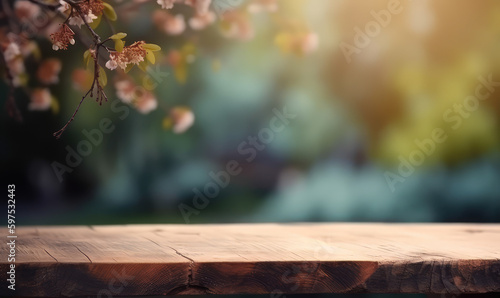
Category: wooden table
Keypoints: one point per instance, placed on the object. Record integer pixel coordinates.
(254, 258)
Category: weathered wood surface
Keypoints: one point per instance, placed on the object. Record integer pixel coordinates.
(258, 258)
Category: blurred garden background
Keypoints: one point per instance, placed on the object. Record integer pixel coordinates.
(362, 104)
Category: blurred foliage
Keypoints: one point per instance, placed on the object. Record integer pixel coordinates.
(353, 122)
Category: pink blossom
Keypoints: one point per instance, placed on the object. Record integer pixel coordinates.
(237, 25)
(111, 64)
(146, 102)
(125, 90)
(26, 10)
(64, 7)
(182, 118)
(41, 99)
(48, 71)
(166, 4)
(309, 43)
(77, 21)
(82, 79)
(199, 22)
(11, 51)
(17, 70)
(15, 62)
(201, 6)
(257, 6)
(170, 24)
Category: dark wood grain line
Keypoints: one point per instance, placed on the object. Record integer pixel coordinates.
(51, 255)
(83, 253)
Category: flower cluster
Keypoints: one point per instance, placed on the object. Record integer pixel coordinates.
(89, 9)
(64, 19)
(234, 24)
(127, 56)
(62, 38)
(95, 7)
(175, 24)
(133, 54)
(16, 50)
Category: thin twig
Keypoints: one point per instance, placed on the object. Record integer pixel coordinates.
(74, 5)
(100, 94)
(58, 133)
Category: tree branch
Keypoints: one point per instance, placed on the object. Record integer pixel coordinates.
(100, 94)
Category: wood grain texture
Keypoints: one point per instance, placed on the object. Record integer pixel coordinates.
(255, 258)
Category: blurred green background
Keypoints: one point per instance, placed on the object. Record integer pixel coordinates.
(353, 122)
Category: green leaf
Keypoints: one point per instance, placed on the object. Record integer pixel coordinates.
(103, 78)
(109, 12)
(86, 58)
(151, 47)
(150, 56)
(119, 44)
(95, 23)
(119, 35)
(54, 105)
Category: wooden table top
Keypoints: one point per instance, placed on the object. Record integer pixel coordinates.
(254, 258)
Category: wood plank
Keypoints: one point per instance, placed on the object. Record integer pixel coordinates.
(133, 260)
